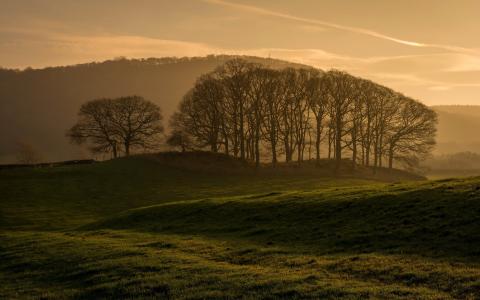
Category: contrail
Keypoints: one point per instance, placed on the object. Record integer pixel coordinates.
(368, 32)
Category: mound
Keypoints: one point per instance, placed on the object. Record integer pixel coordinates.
(204, 162)
(201, 161)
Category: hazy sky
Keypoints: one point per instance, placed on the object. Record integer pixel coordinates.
(429, 50)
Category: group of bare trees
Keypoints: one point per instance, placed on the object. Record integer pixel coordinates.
(254, 112)
(118, 125)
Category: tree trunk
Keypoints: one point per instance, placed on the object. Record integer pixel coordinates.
(213, 147)
(274, 152)
(363, 155)
(375, 155)
(354, 153)
(227, 152)
(257, 154)
(127, 148)
(367, 155)
(338, 145)
(354, 146)
(242, 134)
(257, 141)
(390, 158)
(317, 143)
(299, 154)
(380, 153)
(114, 150)
(288, 154)
(329, 143)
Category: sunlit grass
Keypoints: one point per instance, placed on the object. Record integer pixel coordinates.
(134, 229)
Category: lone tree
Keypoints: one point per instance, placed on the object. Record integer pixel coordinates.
(107, 125)
(27, 154)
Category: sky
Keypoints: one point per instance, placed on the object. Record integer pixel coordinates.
(426, 49)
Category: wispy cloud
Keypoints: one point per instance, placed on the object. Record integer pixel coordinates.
(358, 30)
(407, 73)
(74, 48)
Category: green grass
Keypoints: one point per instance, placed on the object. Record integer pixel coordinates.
(62, 197)
(135, 228)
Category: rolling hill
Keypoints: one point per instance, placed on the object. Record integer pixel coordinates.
(142, 228)
(458, 128)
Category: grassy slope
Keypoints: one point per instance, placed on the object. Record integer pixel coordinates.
(79, 232)
(64, 197)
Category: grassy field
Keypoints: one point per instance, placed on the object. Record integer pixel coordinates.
(142, 228)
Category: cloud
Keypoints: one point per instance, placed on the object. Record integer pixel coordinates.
(134, 46)
(311, 28)
(435, 72)
(358, 30)
(74, 48)
(466, 63)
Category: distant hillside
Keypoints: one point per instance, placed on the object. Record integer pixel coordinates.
(38, 106)
(458, 128)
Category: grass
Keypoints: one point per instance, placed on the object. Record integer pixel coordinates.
(136, 228)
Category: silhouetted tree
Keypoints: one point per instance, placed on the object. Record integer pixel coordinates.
(27, 154)
(201, 112)
(178, 136)
(412, 133)
(318, 97)
(341, 88)
(234, 76)
(108, 124)
(137, 122)
(95, 126)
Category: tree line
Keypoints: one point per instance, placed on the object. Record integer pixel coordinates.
(253, 112)
(257, 113)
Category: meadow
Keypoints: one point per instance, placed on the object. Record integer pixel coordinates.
(148, 228)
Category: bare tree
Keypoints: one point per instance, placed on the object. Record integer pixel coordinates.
(272, 112)
(201, 111)
(259, 79)
(317, 97)
(27, 154)
(95, 127)
(137, 122)
(340, 85)
(106, 124)
(179, 136)
(385, 107)
(413, 132)
(287, 128)
(234, 77)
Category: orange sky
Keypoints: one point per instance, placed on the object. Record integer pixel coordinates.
(429, 50)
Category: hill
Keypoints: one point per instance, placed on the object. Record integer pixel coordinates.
(458, 129)
(37, 106)
(140, 228)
